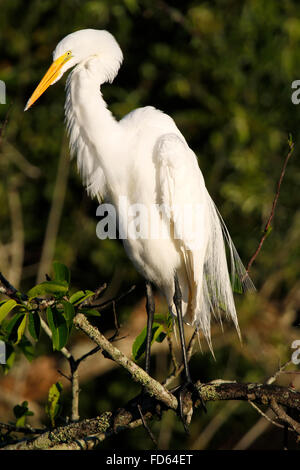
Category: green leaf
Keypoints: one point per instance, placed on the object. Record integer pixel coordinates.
(169, 323)
(160, 337)
(160, 318)
(69, 313)
(53, 406)
(90, 312)
(34, 325)
(61, 272)
(139, 345)
(12, 328)
(59, 328)
(49, 288)
(21, 412)
(21, 328)
(6, 307)
(27, 349)
(80, 296)
(165, 321)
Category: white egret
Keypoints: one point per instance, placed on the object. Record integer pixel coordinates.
(146, 158)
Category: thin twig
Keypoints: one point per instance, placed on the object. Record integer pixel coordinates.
(268, 224)
(109, 302)
(266, 416)
(146, 425)
(281, 369)
(64, 375)
(90, 353)
(22, 429)
(9, 290)
(75, 392)
(279, 411)
(172, 352)
(117, 326)
(89, 302)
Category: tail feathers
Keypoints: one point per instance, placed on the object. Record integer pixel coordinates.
(215, 294)
(240, 279)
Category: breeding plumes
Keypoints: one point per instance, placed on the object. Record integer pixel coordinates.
(145, 158)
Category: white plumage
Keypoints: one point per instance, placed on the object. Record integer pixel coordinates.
(145, 158)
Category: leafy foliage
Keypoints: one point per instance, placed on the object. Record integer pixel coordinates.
(6, 307)
(53, 406)
(162, 326)
(54, 297)
(21, 412)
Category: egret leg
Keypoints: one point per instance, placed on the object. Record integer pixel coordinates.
(178, 305)
(188, 388)
(150, 308)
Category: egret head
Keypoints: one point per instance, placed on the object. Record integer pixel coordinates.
(78, 48)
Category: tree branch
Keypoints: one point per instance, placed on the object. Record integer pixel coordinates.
(88, 433)
(283, 416)
(139, 375)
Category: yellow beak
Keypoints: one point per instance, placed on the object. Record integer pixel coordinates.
(48, 78)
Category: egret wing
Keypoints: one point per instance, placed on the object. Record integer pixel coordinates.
(199, 233)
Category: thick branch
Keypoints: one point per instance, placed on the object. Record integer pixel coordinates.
(139, 375)
(259, 393)
(89, 432)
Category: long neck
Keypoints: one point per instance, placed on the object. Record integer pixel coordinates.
(95, 134)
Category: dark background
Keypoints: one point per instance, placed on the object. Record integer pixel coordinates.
(223, 70)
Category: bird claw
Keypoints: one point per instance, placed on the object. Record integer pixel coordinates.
(185, 403)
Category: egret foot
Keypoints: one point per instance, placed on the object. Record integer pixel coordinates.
(185, 391)
(186, 394)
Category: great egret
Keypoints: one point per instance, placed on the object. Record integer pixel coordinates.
(146, 158)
